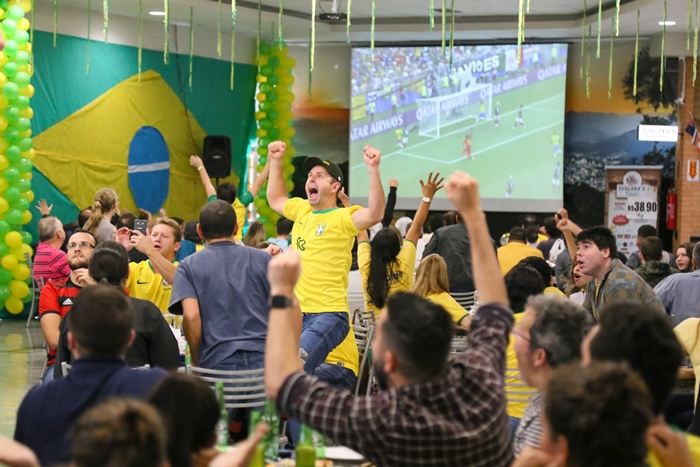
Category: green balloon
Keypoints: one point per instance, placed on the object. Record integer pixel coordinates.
(271, 114)
(272, 133)
(14, 154)
(274, 62)
(13, 216)
(16, 228)
(271, 96)
(22, 185)
(11, 48)
(5, 276)
(4, 230)
(26, 237)
(265, 87)
(11, 174)
(11, 113)
(10, 70)
(9, 26)
(263, 160)
(4, 249)
(28, 298)
(5, 292)
(22, 79)
(22, 204)
(12, 194)
(10, 90)
(262, 142)
(22, 102)
(273, 79)
(265, 107)
(22, 124)
(265, 48)
(24, 166)
(21, 37)
(265, 70)
(11, 135)
(25, 144)
(266, 124)
(22, 57)
(15, 12)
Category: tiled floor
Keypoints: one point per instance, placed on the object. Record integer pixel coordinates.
(21, 360)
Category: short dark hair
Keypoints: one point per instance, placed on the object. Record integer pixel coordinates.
(529, 220)
(652, 249)
(109, 263)
(83, 216)
(217, 219)
(600, 236)
(544, 269)
(646, 231)
(412, 323)
(190, 412)
(284, 226)
(559, 328)
(127, 220)
(449, 218)
(101, 320)
(550, 226)
(227, 192)
(643, 338)
(435, 221)
(179, 221)
(603, 411)
(517, 234)
(522, 282)
(83, 231)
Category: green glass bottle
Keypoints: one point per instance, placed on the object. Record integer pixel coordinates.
(222, 424)
(319, 443)
(258, 459)
(272, 445)
(188, 355)
(305, 452)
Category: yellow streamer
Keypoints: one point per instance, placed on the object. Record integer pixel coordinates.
(233, 40)
(663, 51)
(600, 26)
(105, 18)
(443, 26)
(191, 46)
(140, 51)
(279, 21)
(371, 34)
(521, 15)
(218, 31)
(432, 14)
(583, 37)
(166, 27)
(349, 23)
(690, 24)
(312, 59)
(617, 18)
(452, 31)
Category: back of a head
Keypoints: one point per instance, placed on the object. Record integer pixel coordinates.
(217, 220)
(386, 246)
(190, 411)
(284, 226)
(696, 254)
(532, 233)
(550, 226)
(517, 234)
(83, 216)
(559, 328)
(47, 227)
(643, 338)
(435, 221)
(449, 218)
(411, 323)
(105, 199)
(109, 263)
(601, 237)
(226, 192)
(191, 233)
(431, 276)
(646, 231)
(528, 220)
(522, 282)
(119, 433)
(652, 249)
(101, 320)
(603, 411)
(127, 220)
(255, 234)
(542, 268)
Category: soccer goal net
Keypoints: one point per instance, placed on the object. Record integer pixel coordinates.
(436, 113)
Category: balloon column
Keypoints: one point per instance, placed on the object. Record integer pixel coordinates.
(275, 118)
(16, 155)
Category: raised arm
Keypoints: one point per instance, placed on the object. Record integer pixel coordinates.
(429, 189)
(570, 230)
(463, 191)
(197, 163)
(260, 180)
(367, 217)
(160, 264)
(390, 202)
(276, 189)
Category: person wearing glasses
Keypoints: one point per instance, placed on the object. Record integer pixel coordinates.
(57, 297)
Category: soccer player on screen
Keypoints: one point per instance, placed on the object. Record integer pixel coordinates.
(482, 112)
(399, 137)
(556, 178)
(555, 143)
(511, 187)
(519, 118)
(467, 146)
(497, 113)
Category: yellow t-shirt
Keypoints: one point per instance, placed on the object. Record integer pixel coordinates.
(324, 239)
(346, 354)
(555, 292)
(693, 445)
(401, 276)
(687, 334)
(241, 214)
(511, 254)
(145, 284)
(517, 403)
(450, 305)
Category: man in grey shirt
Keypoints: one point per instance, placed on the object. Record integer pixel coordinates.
(452, 243)
(680, 293)
(646, 231)
(222, 293)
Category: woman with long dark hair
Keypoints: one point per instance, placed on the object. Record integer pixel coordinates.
(387, 263)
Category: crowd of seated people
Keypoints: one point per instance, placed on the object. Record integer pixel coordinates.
(571, 356)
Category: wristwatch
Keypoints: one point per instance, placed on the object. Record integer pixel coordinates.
(279, 301)
(426, 199)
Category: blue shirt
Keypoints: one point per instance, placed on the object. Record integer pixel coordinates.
(48, 411)
(680, 294)
(230, 283)
(187, 248)
(280, 242)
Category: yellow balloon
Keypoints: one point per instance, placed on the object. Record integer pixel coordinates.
(4, 163)
(4, 205)
(31, 154)
(3, 145)
(25, 4)
(26, 134)
(18, 253)
(261, 79)
(14, 305)
(26, 113)
(21, 273)
(9, 262)
(28, 195)
(26, 218)
(27, 176)
(19, 289)
(4, 185)
(28, 91)
(27, 249)
(3, 123)
(23, 24)
(262, 97)
(2, 13)
(26, 47)
(3, 78)
(4, 102)
(13, 239)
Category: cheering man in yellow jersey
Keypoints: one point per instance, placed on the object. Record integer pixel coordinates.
(324, 236)
(152, 279)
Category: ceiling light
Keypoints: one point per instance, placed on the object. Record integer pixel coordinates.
(162, 13)
(667, 23)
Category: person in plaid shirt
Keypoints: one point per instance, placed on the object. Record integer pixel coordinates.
(434, 411)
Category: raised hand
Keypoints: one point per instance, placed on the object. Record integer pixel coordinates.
(393, 183)
(671, 448)
(196, 162)
(463, 192)
(433, 186)
(344, 198)
(372, 156)
(43, 208)
(276, 150)
(143, 211)
(142, 242)
(124, 237)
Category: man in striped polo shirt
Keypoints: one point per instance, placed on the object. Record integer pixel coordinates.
(50, 263)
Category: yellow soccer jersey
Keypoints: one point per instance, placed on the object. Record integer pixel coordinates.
(324, 239)
(450, 305)
(555, 139)
(693, 445)
(401, 275)
(346, 354)
(145, 284)
(517, 403)
(399, 134)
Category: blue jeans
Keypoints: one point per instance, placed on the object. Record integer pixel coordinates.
(514, 422)
(47, 377)
(242, 360)
(320, 334)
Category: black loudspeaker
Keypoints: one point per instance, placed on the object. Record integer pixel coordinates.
(217, 156)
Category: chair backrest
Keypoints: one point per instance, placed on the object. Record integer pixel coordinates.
(65, 367)
(465, 299)
(242, 389)
(356, 300)
(516, 389)
(458, 345)
(362, 337)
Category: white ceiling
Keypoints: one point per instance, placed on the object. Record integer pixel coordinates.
(407, 20)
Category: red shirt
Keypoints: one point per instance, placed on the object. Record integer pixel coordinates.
(50, 263)
(57, 297)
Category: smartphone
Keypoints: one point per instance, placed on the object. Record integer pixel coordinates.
(141, 225)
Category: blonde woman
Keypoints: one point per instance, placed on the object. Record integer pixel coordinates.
(104, 207)
(255, 234)
(433, 285)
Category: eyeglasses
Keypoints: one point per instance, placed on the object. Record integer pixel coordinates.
(82, 245)
(533, 345)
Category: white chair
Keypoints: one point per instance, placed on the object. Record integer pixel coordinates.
(37, 286)
(458, 345)
(466, 299)
(65, 368)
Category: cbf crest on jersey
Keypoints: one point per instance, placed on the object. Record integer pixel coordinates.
(320, 229)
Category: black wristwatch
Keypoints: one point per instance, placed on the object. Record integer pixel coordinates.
(279, 301)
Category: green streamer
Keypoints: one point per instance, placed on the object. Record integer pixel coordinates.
(105, 18)
(432, 14)
(443, 26)
(663, 51)
(695, 44)
(55, 21)
(588, 62)
(583, 38)
(636, 60)
(521, 15)
(259, 32)
(349, 23)
(600, 26)
(166, 24)
(191, 45)
(140, 51)
(617, 18)
(233, 39)
(311, 70)
(87, 57)
(690, 25)
(312, 45)
(279, 21)
(610, 67)
(452, 32)
(218, 31)
(31, 36)
(527, 8)
(371, 33)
